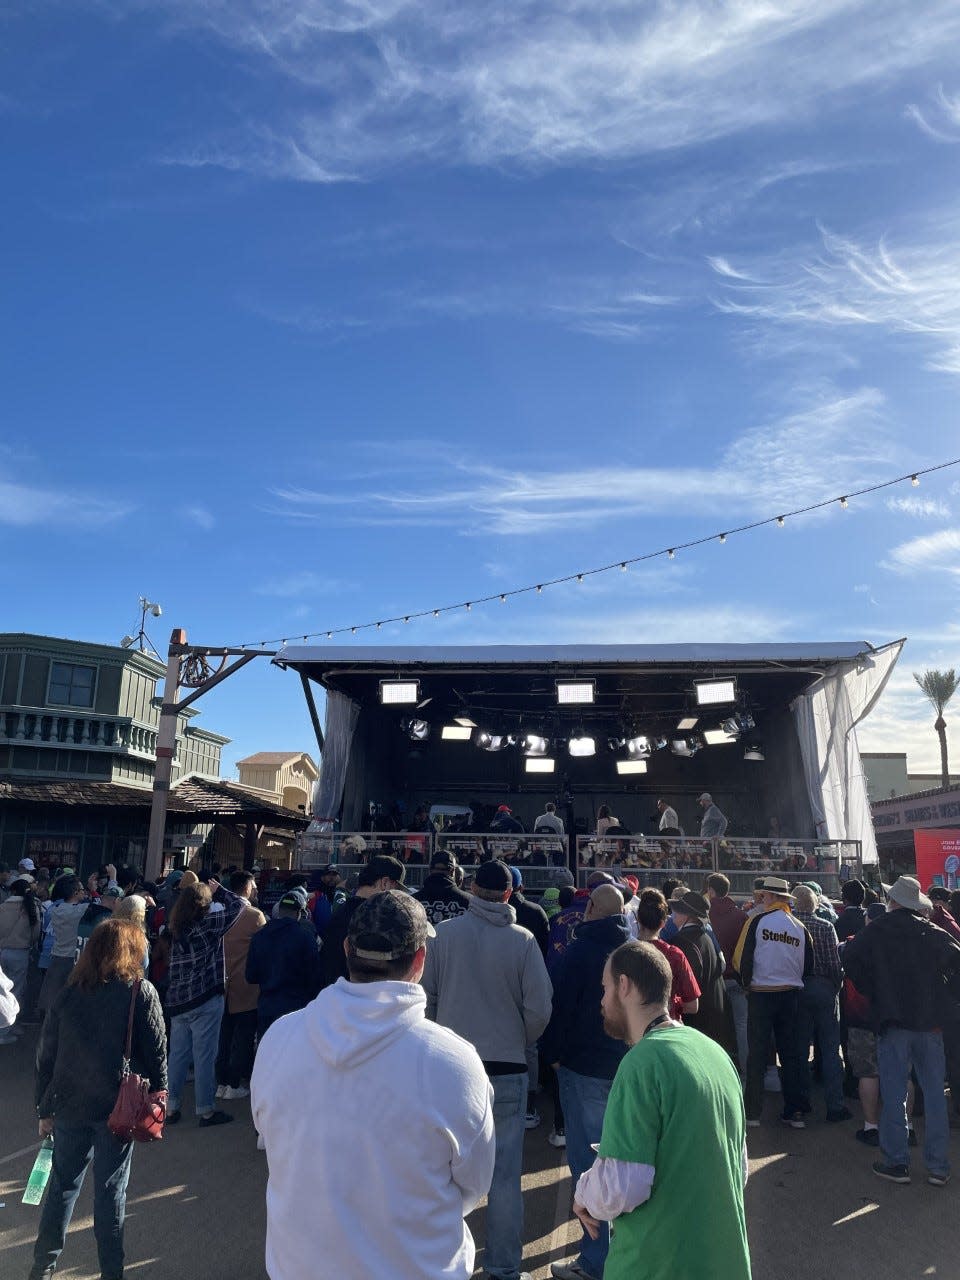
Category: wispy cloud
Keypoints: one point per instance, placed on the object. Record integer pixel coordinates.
(764, 468)
(200, 516)
(24, 505)
(921, 508)
(934, 551)
(913, 289)
(383, 83)
(941, 120)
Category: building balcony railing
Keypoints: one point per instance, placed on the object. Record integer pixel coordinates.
(78, 730)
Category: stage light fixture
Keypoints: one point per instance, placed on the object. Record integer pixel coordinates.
(576, 692)
(638, 748)
(740, 722)
(614, 744)
(659, 743)
(398, 693)
(539, 764)
(687, 722)
(631, 766)
(582, 744)
(685, 746)
(717, 737)
(417, 730)
(465, 721)
(533, 745)
(754, 752)
(711, 693)
(494, 741)
(456, 733)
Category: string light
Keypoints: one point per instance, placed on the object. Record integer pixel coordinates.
(669, 552)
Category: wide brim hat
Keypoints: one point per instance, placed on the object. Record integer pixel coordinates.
(777, 885)
(691, 903)
(906, 893)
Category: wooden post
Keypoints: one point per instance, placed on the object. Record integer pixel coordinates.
(166, 747)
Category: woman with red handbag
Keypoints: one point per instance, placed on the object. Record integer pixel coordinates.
(80, 1067)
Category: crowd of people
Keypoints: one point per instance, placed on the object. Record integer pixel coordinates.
(654, 1022)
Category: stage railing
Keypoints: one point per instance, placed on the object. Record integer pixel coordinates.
(651, 858)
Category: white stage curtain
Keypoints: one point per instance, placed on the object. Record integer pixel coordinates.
(826, 719)
(341, 721)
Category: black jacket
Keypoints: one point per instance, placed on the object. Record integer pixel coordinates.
(333, 961)
(80, 1054)
(284, 962)
(530, 915)
(713, 1017)
(441, 898)
(908, 969)
(575, 1036)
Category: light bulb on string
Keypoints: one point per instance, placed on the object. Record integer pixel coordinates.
(436, 613)
(915, 481)
(540, 589)
(780, 522)
(623, 566)
(671, 554)
(723, 537)
(468, 606)
(579, 577)
(503, 599)
(844, 503)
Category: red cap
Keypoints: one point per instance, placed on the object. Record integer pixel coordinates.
(504, 808)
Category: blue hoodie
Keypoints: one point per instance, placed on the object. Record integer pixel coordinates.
(575, 1036)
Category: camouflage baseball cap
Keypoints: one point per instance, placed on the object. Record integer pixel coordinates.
(388, 926)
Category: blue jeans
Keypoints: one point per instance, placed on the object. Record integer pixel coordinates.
(820, 1013)
(504, 1247)
(737, 999)
(73, 1148)
(584, 1101)
(194, 1036)
(897, 1050)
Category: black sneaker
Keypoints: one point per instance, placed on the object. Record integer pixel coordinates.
(892, 1172)
(215, 1117)
(173, 1117)
(841, 1113)
(869, 1137)
(793, 1120)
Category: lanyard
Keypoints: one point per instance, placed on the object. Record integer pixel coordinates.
(657, 1022)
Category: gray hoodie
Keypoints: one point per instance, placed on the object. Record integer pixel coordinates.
(485, 979)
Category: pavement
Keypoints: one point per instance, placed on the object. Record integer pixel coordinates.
(195, 1205)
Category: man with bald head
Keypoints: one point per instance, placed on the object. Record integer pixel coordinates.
(584, 1056)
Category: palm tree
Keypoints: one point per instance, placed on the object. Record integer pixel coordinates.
(939, 687)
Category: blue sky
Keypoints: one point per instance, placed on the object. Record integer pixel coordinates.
(316, 312)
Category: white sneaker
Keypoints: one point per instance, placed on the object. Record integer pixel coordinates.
(230, 1095)
(531, 1119)
(557, 1139)
(221, 1091)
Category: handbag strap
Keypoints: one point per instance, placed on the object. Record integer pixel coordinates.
(133, 1004)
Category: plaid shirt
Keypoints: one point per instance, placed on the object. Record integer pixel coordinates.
(826, 957)
(196, 959)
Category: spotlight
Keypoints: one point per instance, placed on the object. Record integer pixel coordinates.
(494, 741)
(396, 693)
(539, 764)
(685, 746)
(533, 745)
(416, 730)
(754, 752)
(456, 733)
(571, 692)
(712, 692)
(687, 722)
(659, 743)
(614, 744)
(740, 722)
(582, 745)
(638, 748)
(631, 766)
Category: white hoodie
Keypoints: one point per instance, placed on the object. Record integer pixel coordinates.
(378, 1127)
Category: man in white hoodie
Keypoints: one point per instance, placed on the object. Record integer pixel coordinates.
(394, 1141)
(485, 978)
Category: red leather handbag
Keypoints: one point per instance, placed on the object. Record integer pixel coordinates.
(138, 1114)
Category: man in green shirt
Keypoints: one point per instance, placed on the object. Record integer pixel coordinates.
(673, 1145)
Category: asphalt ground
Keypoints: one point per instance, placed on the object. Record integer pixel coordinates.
(195, 1204)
